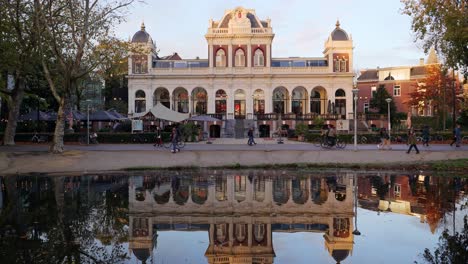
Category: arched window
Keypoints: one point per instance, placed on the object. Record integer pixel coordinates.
(199, 98)
(340, 102)
(259, 59)
(280, 100)
(161, 95)
(220, 58)
(299, 100)
(181, 100)
(240, 58)
(140, 102)
(239, 104)
(220, 102)
(259, 102)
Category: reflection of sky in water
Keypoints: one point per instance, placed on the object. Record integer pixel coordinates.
(385, 238)
(388, 237)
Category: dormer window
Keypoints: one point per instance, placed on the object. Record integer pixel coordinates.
(220, 58)
(239, 58)
(259, 58)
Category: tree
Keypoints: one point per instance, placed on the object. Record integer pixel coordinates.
(74, 39)
(379, 103)
(434, 91)
(443, 25)
(451, 248)
(18, 56)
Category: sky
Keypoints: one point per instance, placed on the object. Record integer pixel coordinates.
(381, 35)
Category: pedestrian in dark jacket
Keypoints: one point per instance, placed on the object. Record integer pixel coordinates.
(456, 136)
(251, 140)
(412, 142)
(425, 136)
(174, 140)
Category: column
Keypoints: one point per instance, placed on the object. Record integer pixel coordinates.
(190, 98)
(131, 99)
(249, 102)
(229, 56)
(210, 55)
(268, 56)
(211, 94)
(268, 99)
(349, 102)
(269, 234)
(231, 232)
(230, 102)
(249, 234)
(230, 189)
(211, 234)
(249, 56)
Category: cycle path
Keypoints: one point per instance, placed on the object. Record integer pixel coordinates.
(34, 158)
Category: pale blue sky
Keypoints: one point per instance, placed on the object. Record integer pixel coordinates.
(382, 35)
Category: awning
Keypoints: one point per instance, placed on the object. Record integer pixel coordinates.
(162, 112)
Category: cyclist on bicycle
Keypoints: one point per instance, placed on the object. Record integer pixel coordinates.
(331, 135)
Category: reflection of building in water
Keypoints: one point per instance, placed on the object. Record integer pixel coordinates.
(241, 211)
(428, 198)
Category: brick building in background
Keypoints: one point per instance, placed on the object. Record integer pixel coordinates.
(399, 81)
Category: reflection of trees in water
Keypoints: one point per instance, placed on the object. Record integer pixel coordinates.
(68, 222)
(451, 248)
(380, 186)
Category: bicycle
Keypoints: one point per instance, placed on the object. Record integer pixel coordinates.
(180, 144)
(39, 139)
(137, 138)
(360, 139)
(92, 140)
(464, 140)
(327, 144)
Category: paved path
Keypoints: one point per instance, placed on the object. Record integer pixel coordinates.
(223, 152)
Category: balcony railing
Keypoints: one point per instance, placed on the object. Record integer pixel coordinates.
(237, 70)
(239, 31)
(299, 117)
(368, 116)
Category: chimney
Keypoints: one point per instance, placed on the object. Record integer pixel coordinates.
(421, 62)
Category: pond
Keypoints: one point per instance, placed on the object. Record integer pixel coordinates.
(219, 216)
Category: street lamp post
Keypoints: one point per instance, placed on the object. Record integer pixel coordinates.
(356, 231)
(388, 100)
(39, 99)
(87, 121)
(355, 97)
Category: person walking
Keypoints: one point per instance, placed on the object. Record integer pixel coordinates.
(174, 139)
(331, 135)
(425, 135)
(384, 140)
(158, 140)
(456, 136)
(251, 140)
(412, 142)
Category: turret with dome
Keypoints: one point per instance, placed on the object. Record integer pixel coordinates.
(141, 36)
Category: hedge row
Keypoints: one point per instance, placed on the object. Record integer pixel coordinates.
(102, 137)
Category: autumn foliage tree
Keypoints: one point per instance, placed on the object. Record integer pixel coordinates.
(435, 91)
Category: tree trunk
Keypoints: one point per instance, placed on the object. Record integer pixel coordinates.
(13, 113)
(57, 142)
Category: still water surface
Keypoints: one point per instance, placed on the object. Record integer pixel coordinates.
(208, 216)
